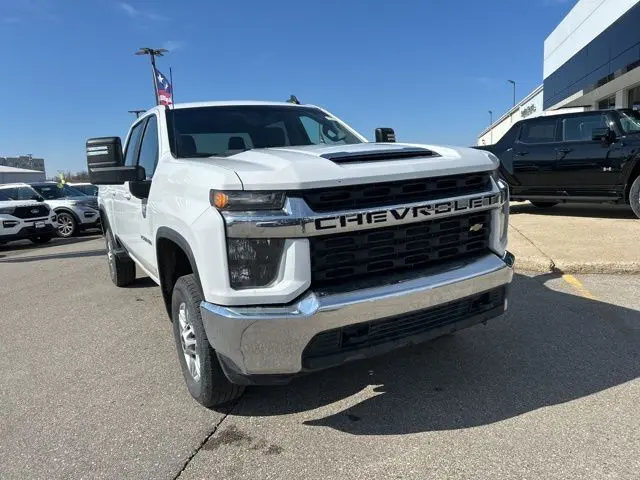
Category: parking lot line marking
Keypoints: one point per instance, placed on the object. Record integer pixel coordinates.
(575, 283)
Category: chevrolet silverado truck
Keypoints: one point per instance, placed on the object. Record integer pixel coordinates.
(589, 156)
(284, 242)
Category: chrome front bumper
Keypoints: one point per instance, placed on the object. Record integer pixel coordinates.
(257, 341)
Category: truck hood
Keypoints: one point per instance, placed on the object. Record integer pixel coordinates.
(317, 166)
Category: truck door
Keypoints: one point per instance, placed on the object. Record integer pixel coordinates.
(120, 193)
(534, 156)
(585, 166)
(138, 234)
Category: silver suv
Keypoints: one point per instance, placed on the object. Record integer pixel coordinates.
(75, 210)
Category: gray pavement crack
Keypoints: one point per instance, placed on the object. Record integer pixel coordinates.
(552, 265)
(206, 439)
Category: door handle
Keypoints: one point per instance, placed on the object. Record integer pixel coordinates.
(127, 196)
(564, 150)
(521, 154)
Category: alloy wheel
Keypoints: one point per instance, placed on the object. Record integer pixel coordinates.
(188, 342)
(66, 224)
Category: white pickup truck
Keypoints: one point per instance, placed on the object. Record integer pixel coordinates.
(284, 242)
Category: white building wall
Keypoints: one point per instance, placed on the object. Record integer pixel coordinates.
(585, 21)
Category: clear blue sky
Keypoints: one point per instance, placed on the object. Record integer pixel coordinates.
(431, 69)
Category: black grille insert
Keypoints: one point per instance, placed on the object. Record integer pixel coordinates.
(31, 211)
(398, 327)
(393, 193)
(341, 258)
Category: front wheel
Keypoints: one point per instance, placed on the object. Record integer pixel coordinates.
(634, 196)
(201, 369)
(67, 225)
(543, 204)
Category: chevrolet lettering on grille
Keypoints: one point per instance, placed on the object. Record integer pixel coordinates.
(401, 215)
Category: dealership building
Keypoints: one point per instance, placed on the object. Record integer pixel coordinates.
(591, 61)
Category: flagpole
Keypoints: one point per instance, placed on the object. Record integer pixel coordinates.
(173, 88)
(155, 80)
(153, 52)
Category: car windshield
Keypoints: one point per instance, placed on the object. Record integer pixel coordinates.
(224, 131)
(54, 191)
(4, 196)
(630, 121)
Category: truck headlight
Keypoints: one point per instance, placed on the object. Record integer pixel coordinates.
(239, 200)
(253, 262)
(7, 210)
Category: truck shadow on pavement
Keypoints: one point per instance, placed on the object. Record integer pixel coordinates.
(550, 348)
(576, 210)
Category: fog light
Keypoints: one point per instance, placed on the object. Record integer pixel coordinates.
(253, 262)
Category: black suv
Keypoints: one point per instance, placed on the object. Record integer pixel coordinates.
(591, 156)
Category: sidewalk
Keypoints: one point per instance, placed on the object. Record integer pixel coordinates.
(575, 238)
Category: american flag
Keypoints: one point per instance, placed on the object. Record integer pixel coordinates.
(165, 90)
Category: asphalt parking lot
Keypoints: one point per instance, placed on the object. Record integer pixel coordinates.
(90, 387)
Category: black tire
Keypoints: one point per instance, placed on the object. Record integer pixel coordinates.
(41, 239)
(121, 269)
(634, 196)
(67, 225)
(543, 204)
(208, 386)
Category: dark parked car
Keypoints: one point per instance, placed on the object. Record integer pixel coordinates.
(589, 156)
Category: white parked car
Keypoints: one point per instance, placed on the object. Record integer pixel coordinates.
(24, 215)
(75, 211)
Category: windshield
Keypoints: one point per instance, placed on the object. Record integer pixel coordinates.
(54, 191)
(630, 121)
(18, 192)
(207, 131)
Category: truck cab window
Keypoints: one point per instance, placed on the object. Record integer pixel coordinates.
(580, 128)
(541, 131)
(149, 148)
(132, 144)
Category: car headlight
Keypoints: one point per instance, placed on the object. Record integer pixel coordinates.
(84, 203)
(7, 210)
(253, 262)
(238, 200)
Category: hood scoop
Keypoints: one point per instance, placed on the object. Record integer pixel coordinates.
(379, 155)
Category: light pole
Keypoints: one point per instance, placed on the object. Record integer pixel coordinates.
(153, 53)
(491, 126)
(514, 91)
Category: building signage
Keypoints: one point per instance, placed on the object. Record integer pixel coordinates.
(525, 112)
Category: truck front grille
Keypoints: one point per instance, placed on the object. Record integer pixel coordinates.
(395, 193)
(419, 324)
(31, 211)
(342, 258)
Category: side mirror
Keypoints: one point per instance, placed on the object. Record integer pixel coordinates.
(38, 198)
(385, 135)
(604, 135)
(105, 163)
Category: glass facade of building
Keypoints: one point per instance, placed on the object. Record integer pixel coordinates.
(614, 52)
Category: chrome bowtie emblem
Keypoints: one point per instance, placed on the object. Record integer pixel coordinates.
(476, 228)
(35, 210)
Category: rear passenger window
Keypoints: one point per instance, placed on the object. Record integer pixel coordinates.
(539, 132)
(581, 127)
